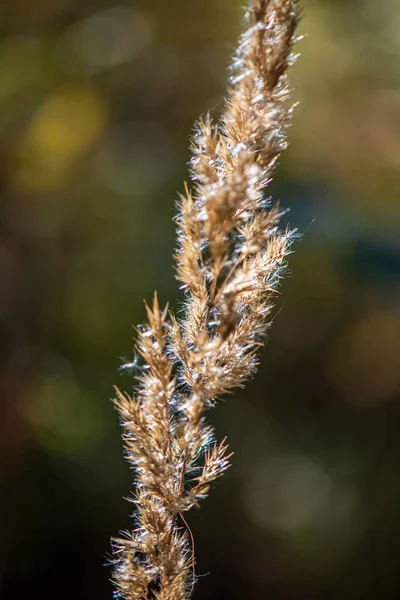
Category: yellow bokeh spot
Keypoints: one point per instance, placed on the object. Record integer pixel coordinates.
(365, 364)
(61, 132)
(64, 418)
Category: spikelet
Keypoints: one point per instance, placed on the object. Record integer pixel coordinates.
(231, 255)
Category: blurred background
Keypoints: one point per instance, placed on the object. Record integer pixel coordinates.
(97, 100)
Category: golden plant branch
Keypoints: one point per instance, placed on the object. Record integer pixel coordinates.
(230, 258)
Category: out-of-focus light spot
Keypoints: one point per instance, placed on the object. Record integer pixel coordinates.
(365, 364)
(286, 493)
(88, 308)
(64, 418)
(63, 129)
(388, 14)
(358, 159)
(111, 37)
(134, 159)
(334, 535)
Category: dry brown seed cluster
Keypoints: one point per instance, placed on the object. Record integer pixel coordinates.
(231, 255)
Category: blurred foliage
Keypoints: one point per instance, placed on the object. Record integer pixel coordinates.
(97, 100)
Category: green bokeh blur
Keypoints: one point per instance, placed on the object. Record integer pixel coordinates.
(97, 100)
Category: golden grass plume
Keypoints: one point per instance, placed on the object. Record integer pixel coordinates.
(231, 255)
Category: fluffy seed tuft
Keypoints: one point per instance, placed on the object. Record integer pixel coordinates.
(231, 256)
